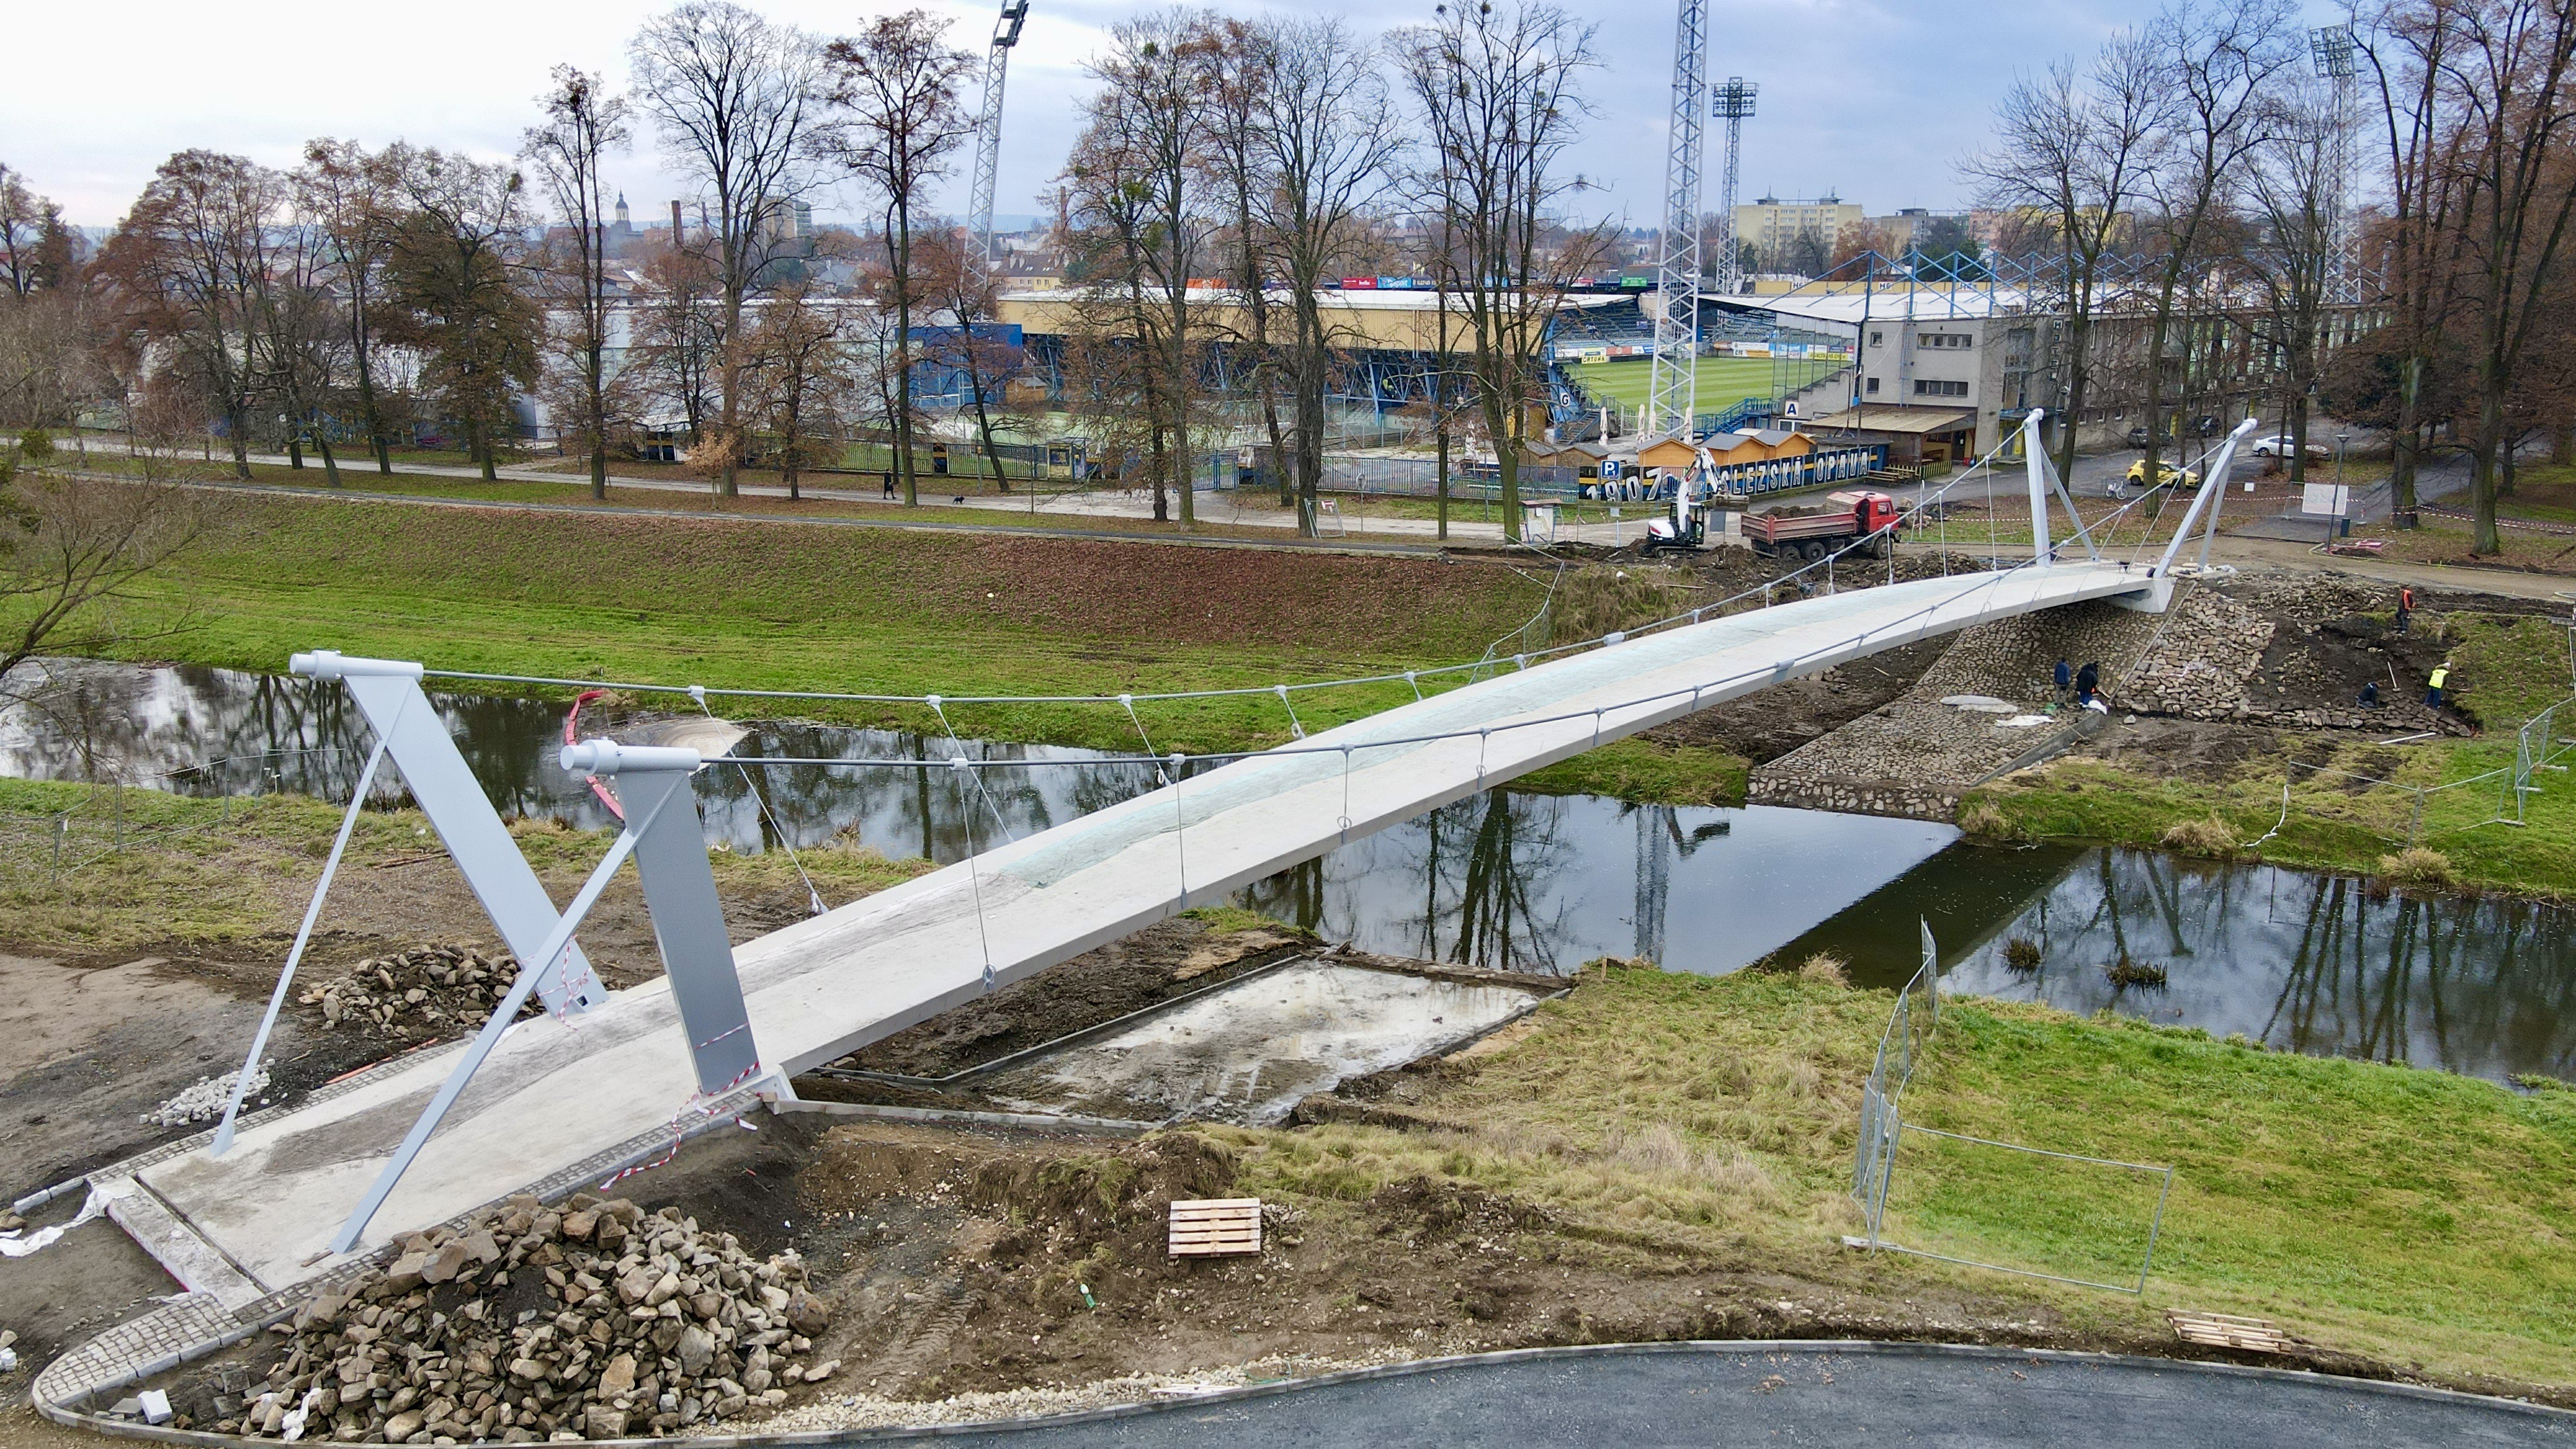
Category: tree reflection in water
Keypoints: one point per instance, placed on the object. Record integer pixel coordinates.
(1486, 869)
(2303, 962)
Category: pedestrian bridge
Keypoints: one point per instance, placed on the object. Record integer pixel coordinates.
(561, 1100)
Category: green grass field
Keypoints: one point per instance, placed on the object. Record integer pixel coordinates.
(2391, 1211)
(860, 610)
(1723, 381)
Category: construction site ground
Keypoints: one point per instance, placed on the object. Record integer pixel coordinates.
(1495, 1199)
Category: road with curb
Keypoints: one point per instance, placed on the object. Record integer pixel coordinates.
(1714, 1396)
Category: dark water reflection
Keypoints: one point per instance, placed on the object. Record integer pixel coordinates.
(1508, 879)
(2298, 960)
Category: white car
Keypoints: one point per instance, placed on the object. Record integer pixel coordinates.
(2278, 445)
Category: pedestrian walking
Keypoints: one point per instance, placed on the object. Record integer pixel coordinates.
(889, 485)
(2433, 686)
(2405, 605)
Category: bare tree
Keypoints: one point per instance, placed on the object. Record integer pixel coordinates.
(2510, 70)
(37, 250)
(2220, 62)
(678, 329)
(584, 122)
(2409, 49)
(303, 338)
(49, 363)
(1237, 161)
(895, 87)
(354, 198)
(735, 100)
(1326, 151)
(951, 281)
(2071, 158)
(2291, 250)
(187, 266)
(800, 379)
(1496, 91)
(70, 553)
(1136, 187)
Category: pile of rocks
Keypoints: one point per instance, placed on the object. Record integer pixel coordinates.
(593, 1321)
(2198, 669)
(418, 995)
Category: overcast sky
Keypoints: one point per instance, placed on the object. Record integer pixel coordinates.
(1872, 99)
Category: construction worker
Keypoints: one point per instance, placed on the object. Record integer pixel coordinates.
(2087, 680)
(2405, 605)
(2370, 694)
(2433, 686)
(2065, 679)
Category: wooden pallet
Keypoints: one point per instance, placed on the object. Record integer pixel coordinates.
(1213, 1227)
(2222, 1330)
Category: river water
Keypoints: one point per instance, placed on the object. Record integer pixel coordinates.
(2299, 960)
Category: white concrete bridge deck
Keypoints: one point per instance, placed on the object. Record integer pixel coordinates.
(554, 1095)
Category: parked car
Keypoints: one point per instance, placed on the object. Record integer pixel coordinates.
(2137, 437)
(2278, 445)
(2167, 475)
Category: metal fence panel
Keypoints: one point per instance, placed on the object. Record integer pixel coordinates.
(1883, 1127)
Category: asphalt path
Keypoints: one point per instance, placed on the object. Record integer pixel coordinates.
(1710, 1396)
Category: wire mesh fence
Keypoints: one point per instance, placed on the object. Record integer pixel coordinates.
(1968, 1172)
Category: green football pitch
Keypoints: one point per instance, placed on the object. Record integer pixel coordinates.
(1723, 381)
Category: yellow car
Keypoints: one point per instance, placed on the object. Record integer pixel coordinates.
(2167, 475)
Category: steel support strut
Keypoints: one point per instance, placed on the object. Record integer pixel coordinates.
(388, 693)
(665, 836)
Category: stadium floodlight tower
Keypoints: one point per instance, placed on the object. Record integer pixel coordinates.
(988, 132)
(2331, 48)
(1734, 103)
(1673, 385)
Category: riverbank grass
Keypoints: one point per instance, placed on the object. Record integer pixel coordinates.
(2398, 1213)
(2410, 1215)
(84, 870)
(2334, 816)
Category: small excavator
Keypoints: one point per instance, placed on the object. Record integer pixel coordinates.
(1684, 525)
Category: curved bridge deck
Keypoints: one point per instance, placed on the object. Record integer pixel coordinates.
(558, 1098)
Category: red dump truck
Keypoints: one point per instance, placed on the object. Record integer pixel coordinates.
(1847, 516)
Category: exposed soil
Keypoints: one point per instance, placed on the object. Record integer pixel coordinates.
(978, 1260)
(2183, 749)
(89, 1046)
(1763, 727)
(1154, 965)
(90, 1043)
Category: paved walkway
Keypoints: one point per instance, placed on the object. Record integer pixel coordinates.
(557, 1099)
(1641, 1398)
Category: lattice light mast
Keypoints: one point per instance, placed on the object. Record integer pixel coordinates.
(2331, 48)
(988, 132)
(1733, 104)
(1674, 383)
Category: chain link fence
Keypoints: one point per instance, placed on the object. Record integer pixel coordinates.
(1883, 1130)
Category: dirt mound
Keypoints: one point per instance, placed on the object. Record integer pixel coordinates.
(417, 995)
(1428, 1211)
(592, 1321)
